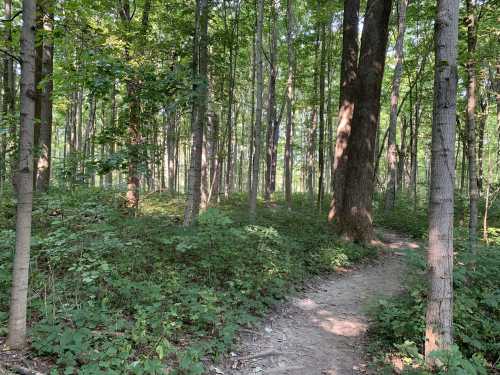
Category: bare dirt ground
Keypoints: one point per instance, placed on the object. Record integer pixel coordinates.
(323, 331)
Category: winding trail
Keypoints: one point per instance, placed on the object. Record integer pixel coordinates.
(323, 331)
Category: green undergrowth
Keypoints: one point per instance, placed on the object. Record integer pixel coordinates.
(399, 323)
(110, 294)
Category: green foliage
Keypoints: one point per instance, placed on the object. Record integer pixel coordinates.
(399, 323)
(113, 294)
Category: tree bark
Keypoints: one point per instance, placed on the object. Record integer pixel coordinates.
(356, 217)
(45, 136)
(258, 108)
(348, 77)
(321, 143)
(438, 334)
(271, 103)
(289, 103)
(390, 196)
(24, 182)
(199, 114)
(471, 122)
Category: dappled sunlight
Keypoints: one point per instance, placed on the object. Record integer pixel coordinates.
(330, 321)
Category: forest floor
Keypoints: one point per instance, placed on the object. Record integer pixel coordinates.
(323, 330)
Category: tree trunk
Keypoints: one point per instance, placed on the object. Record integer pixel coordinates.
(438, 334)
(271, 104)
(390, 196)
(8, 103)
(289, 103)
(24, 182)
(356, 217)
(414, 153)
(321, 143)
(402, 155)
(348, 76)
(483, 116)
(258, 108)
(109, 175)
(471, 122)
(45, 136)
(199, 113)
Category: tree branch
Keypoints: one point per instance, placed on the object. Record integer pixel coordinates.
(17, 58)
(13, 17)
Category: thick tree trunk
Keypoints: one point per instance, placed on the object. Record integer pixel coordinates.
(438, 334)
(199, 115)
(390, 195)
(258, 108)
(24, 182)
(471, 122)
(356, 216)
(289, 103)
(348, 77)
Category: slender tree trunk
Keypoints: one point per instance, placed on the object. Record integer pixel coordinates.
(390, 196)
(200, 110)
(483, 116)
(348, 77)
(252, 123)
(271, 103)
(258, 108)
(289, 103)
(45, 136)
(471, 122)
(356, 217)
(414, 153)
(8, 103)
(438, 334)
(24, 182)
(109, 175)
(313, 127)
(39, 36)
(402, 154)
(321, 143)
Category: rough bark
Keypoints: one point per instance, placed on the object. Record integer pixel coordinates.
(356, 217)
(258, 108)
(471, 122)
(438, 334)
(348, 76)
(390, 196)
(199, 114)
(289, 103)
(24, 182)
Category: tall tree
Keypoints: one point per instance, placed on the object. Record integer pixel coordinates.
(356, 216)
(289, 103)
(471, 120)
(271, 104)
(348, 76)
(258, 108)
(321, 143)
(438, 333)
(45, 135)
(390, 196)
(199, 114)
(24, 182)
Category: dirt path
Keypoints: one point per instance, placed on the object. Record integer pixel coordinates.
(322, 332)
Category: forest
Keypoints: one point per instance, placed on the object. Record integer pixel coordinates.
(237, 187)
